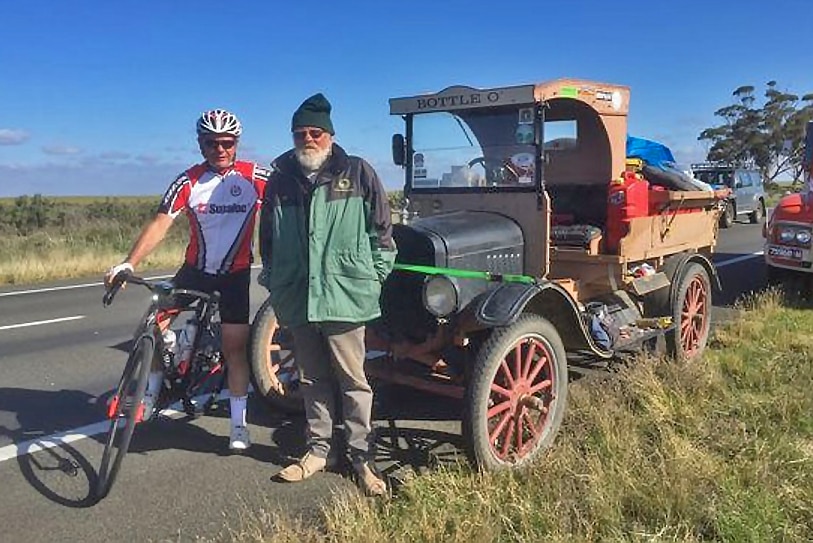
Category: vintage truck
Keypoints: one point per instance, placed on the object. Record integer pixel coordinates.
(788, 231)
(529, 242)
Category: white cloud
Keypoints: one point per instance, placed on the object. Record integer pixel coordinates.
(114, 155)
(87, 178)
(61, 150)
(149, 159)
(10, 136)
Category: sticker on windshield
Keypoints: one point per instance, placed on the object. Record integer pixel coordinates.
(524, 165)
(418, 170)
(524, 134)
(526, 115)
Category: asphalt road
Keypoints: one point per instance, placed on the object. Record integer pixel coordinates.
(61, 352)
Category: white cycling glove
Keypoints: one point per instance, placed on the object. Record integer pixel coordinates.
(117, 269)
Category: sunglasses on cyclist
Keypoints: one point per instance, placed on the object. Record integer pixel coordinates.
(214, 144)
(314, 133)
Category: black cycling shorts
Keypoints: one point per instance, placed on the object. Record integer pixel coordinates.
(233, 289)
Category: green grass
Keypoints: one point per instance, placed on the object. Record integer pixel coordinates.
(717, 450)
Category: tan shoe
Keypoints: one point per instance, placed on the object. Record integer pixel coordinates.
(303, 468)
(370, 483)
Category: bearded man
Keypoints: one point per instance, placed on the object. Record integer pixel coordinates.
(326, 245)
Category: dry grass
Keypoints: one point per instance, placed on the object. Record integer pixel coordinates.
(44, 239)
(41, 257)
(718, 450)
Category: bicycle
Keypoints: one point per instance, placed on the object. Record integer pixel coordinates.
(194, 378)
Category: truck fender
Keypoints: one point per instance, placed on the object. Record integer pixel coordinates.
(503, 305)
(684, 260)
(663, 300)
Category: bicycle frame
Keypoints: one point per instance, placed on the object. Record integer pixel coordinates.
(167, 303)
(126, 408)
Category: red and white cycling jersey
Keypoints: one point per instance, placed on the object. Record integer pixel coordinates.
(221, 211)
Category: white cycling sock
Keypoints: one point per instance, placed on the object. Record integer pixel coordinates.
(237, 406)
(154, 382)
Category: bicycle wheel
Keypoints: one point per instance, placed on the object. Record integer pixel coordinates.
(125, 411)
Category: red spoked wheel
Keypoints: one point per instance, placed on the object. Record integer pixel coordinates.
(515, 400)
(274, 372)
(692, 314)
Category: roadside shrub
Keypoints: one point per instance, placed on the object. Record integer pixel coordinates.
(44, 238)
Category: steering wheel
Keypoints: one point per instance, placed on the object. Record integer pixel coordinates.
(476, 161)
(503, 173)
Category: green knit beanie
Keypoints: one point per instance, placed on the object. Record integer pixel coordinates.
(315, 111)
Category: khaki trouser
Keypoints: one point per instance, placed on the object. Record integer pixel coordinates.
(330, 357)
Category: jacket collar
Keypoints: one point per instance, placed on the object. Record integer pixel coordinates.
(286, 163)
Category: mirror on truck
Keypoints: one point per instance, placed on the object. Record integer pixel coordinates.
(398, 150)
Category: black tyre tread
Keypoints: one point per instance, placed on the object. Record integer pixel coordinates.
(476, 396)
(727, 217)
(758, 213)
(137, 367)
(673, 336)
(264, 320)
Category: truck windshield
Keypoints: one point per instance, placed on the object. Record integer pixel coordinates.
(473, 148)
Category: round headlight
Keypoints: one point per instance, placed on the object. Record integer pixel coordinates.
(439, 295)
(803, 237)
(786, 235)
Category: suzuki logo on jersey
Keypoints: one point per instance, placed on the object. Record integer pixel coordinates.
(217, 209)
(235, 190)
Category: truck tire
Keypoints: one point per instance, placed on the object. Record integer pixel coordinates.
(272, 362)
(758, 213)
(515, 399)
(727, 217)
(691, 314)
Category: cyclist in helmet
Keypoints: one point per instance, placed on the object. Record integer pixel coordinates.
(220, 197)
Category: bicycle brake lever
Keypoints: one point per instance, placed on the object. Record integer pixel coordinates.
(107, 299)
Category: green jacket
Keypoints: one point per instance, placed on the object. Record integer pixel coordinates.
(326, 245)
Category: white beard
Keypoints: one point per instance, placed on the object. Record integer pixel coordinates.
(312, 159)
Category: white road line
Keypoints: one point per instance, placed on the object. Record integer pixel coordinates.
(82, 285)
(42, 443)
(32, 446)
(737, 259)
(67, 287)
(37, 323)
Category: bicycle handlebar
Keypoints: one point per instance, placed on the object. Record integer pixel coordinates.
(126, 276)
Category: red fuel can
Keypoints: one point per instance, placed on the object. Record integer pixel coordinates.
(627, 198)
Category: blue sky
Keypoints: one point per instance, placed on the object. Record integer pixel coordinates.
(100, 97)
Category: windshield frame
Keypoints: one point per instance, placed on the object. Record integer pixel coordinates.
(538, 174)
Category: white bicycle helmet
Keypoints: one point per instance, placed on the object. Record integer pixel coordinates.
(219, 121)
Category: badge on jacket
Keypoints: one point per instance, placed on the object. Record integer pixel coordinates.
(342, 184)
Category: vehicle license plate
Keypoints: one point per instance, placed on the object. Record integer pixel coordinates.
(785, 252)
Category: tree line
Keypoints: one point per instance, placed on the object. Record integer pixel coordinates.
(28, 214)
(25, 215)
(767, 131)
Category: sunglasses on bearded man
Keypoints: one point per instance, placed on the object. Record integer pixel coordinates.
(314, 133)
